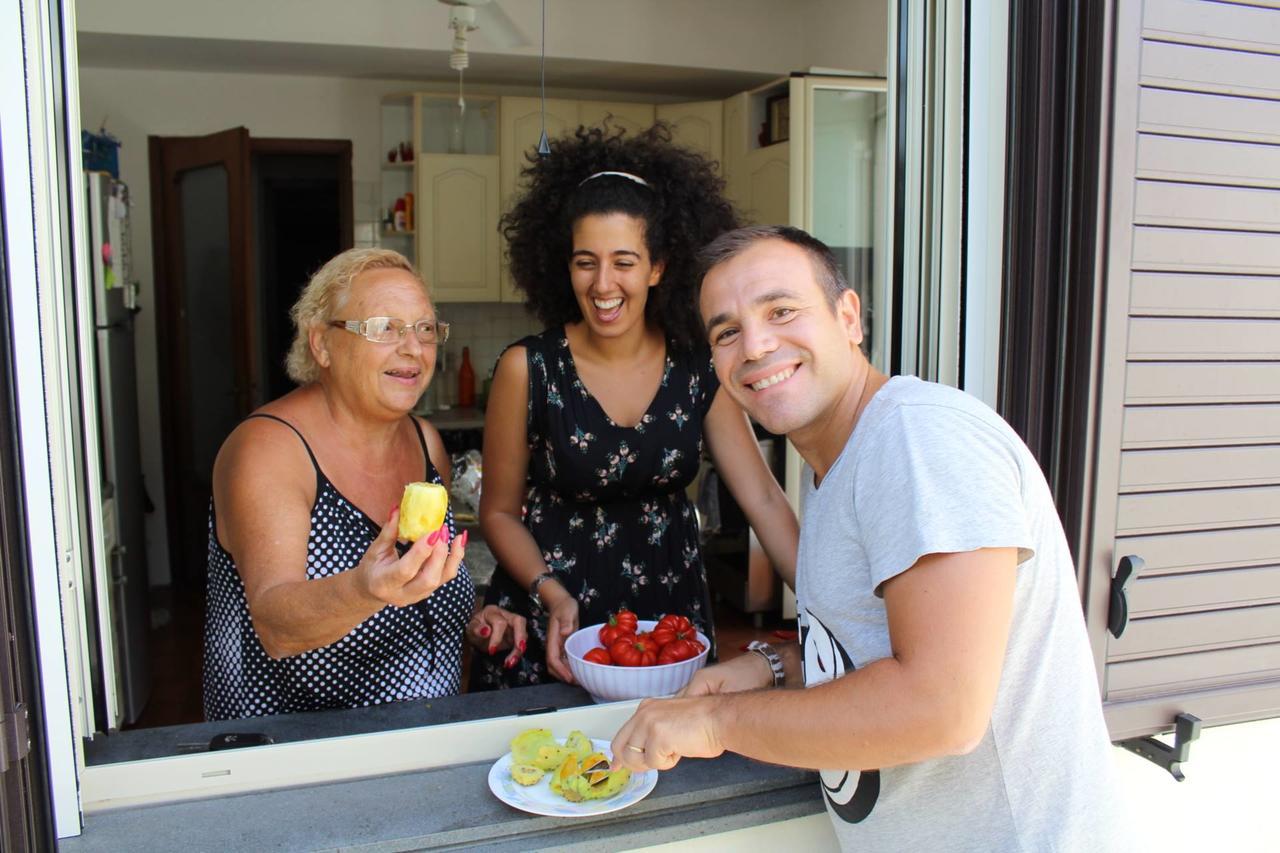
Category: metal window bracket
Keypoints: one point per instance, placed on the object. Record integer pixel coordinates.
(1171, 758)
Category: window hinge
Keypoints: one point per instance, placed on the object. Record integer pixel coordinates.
(15, 736)
(1186, 729)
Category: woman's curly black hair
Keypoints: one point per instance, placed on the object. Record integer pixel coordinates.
(683, 209)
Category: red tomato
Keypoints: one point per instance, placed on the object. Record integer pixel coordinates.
(619, 625)
(609, 633)
(599, 656)
(676, 623)
(678, 650)
(664, 634)
(625, 619)
(634, 651)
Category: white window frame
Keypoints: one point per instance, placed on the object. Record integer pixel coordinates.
(38, 275)
(34, 190)
(984, 223)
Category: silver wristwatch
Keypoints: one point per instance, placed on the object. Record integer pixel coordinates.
(770, 654)
(533, 588)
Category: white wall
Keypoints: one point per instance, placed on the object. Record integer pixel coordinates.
(852, 35)
(740, 35)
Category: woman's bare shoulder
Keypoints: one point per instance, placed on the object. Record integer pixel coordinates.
(268, 445)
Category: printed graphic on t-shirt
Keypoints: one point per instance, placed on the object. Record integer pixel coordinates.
(851, 793)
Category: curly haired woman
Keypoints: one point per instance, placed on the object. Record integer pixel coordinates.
(595, 427)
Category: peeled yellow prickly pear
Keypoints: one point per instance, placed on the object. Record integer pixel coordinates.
(594, 761)
(552, 755)
(525, 746)
(527, 774)
(422, 510)
(579, 743)
(564, 776)
(603, 784)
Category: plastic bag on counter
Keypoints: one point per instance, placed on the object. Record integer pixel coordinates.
(465, 491)
(707, 506)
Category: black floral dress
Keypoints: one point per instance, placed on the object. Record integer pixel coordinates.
(606, 503)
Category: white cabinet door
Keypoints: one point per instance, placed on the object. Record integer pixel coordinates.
(521, 126)
(632, 117)
(698, 125)
(458, 226)
(734, 149)
(766, 184)
(758, 180)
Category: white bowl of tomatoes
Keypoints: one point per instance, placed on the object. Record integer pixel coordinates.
(629, 658)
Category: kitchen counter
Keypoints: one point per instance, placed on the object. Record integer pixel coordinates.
(450, 419)
(442, 807)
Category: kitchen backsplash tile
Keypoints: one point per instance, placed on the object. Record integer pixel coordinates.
(487, 328)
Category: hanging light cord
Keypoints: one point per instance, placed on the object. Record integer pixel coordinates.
(543, 147)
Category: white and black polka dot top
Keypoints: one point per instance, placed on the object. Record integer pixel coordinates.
(398, 653)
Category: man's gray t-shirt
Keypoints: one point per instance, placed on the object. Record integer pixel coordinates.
(929, 469)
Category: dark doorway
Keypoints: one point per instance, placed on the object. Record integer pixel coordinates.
(239, 225)
(302, 207)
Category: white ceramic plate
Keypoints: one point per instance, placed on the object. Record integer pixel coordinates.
(538, 799)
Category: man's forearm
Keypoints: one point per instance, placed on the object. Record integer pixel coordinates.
(867, 719)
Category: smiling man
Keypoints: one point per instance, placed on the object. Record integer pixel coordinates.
(950, 697)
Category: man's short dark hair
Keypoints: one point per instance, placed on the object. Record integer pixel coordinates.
(729, 245)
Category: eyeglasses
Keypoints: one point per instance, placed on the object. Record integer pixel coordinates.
(389, 330)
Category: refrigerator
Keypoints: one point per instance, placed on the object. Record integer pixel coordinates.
(123, 497)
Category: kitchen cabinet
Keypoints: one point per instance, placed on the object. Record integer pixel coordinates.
(632, 117)
(758, 177)
(457, 226)
(698, 125)
(459, 197)
(520, 126)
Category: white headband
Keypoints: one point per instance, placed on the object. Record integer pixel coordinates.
(630, 177)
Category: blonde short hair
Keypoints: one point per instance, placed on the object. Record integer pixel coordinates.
(325, 294)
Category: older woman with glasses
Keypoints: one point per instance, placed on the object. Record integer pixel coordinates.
(312, 603)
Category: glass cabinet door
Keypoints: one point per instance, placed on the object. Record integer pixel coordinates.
(842, 197)
(840, 194)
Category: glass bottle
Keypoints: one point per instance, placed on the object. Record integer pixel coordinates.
(466, 381)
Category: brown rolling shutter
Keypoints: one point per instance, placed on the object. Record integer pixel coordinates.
(1188, 450)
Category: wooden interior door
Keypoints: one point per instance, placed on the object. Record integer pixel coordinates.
(206, 324)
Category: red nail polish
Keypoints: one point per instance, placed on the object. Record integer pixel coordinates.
(493, 649)
(509, 663)
(484, 630)
(432, 537)
(522, 645)
(463, 542)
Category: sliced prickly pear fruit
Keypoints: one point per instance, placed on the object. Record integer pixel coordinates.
(610, 785)
(568, 771)
(527, 774)
(524, 746)
(552, 755)
(579, 744)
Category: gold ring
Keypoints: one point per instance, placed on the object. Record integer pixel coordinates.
(636, 748)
